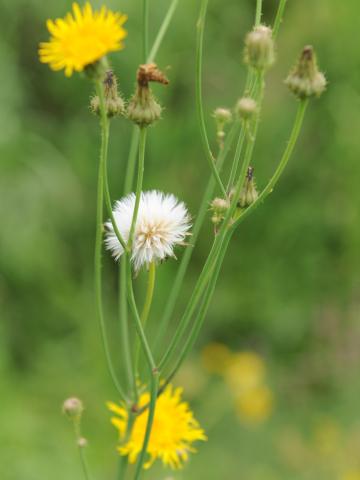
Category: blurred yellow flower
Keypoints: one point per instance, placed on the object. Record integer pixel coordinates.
(82, 38)
(351, 475)
(216, 357)
(327, 437)
(255, 405)
(174, 430)
(245, 371)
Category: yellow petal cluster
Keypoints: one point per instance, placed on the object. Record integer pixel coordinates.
(81, 38)
(174, 430)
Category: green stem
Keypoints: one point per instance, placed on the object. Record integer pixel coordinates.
(142, 144)
(84, 463)
(98, 238)
(138, 325)
(124, 329)
(154, 387)
(258, 12)
(217, 245)
(145, 13)
(279, 17)
(283, 162)
(199, 102)
(162, 31)
(131, 162)
(146, 309)
(235, 165)
(178, 282)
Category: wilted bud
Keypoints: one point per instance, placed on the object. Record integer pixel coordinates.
(113, 102)
(246, 108)
(73, 408)
(249, 193)
(143, 109)
(259, 48)
(305, 80)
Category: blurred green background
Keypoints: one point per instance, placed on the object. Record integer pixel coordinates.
(289, 288)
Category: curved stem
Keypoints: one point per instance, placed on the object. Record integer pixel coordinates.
(235, 165)
(199, 102)
(279, 17)
(283, 162)
(154, 387)
(98, 238)
(162, 31)
(178, 282)
(142, 143)
(146, 309)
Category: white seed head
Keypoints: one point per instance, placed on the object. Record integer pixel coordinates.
(162, 223)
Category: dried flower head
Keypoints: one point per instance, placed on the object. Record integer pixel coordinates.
(259, 48)
(143, 109)
(162, 223)
(82, 38)
(305, 79)
(174, 430)
(249, 193)
(114, 103)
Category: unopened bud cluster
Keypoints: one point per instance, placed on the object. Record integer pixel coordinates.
(249, 193)
(114, 104)
(143, 109)
(305, 80)
(222, 117)
(259, 48)
(219, 207)
(246, 108)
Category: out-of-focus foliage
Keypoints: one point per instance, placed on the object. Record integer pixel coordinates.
(289, 288)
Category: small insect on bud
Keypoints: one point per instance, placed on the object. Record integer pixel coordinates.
(305, 79)
(246, 108)
(73, 408)
(143, 109)
(114, 104)
(259, 48)
(249, 193)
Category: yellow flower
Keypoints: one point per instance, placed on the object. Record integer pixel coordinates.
(216, 357)
(82, 38)
(351, 475)
(245, 371)
(174, 430)
(255, 405)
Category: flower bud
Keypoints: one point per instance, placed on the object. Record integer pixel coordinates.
(219, 207)
(248, 193)
(82, 442)
(143, 109)
(305, 79)
(73, 408)
(222, 116)
(246, 108)
(259, 48)
(113, 102)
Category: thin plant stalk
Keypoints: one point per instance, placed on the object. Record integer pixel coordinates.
(145, 13)
(146, 308)
(140, 177)
(258, 12)
(162, 31)
(98, 238)
(178, 282)
(199, 101)
(279, 17)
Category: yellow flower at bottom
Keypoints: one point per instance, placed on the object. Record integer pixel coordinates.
(82, 38)
(173, 433)
(351, 475)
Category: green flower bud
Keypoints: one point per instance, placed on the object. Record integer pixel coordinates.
(219, 207)
(113, 102)
(73, 408)
(249, 193)
(246, 108)
(143, 109)
(259, 48)
(305, 79)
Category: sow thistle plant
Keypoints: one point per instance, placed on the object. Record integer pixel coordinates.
(143, 229)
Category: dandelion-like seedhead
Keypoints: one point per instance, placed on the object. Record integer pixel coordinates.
(162, 223)
(82, 38)
(174, 429)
